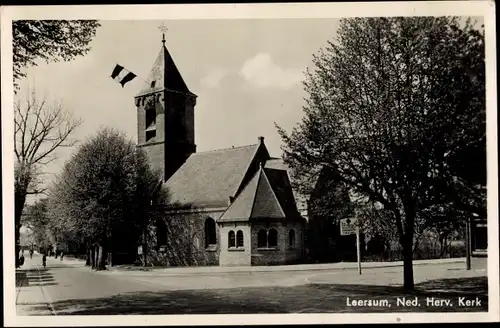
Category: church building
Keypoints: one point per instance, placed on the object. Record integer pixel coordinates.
(227, 207)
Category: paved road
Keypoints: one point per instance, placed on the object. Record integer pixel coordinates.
(68, 287)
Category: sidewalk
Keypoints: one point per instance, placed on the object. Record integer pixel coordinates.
(277, 268)
(29, 290)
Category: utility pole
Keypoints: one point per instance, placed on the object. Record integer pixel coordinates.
(468, 244)
(358, 249)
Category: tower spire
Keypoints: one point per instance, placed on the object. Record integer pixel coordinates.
(164, 29)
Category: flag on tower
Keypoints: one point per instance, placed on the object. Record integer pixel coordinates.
(122, 75)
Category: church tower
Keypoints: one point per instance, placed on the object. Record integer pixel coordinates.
(165, 116)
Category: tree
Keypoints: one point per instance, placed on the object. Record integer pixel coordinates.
(105, 193)
(39, 130)
(391, 104)
(37, 220)
(49, 40)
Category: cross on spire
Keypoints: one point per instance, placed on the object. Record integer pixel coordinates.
(164, 29)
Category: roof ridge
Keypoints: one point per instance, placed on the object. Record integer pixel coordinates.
(224, 149)
(235, 192)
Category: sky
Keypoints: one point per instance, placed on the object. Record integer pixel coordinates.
(247, 74)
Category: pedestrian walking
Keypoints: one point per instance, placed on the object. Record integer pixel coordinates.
(21, 260)
(31, 253)
(44, 260)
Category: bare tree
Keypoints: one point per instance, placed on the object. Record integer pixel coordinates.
(39, 130)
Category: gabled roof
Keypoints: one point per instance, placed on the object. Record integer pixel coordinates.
(283, 190)
(301, 199)
(165, 75)
(268, 195)
(208, 179)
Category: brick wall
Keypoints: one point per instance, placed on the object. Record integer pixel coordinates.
(235, 256)
(141, 124)
(283, 253)
(185, 242)
(156, 155)
(190, 122)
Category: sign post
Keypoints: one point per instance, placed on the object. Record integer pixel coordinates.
(468, 244)
(350, 227)
(358, 249)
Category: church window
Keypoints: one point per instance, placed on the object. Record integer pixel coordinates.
(210, 232)
(291, 238)
(231, 239)
(272, 238)
(150, 117)
(262, 238)
(239, 238)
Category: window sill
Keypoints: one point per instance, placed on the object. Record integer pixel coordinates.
(267, 248)
(236, 249)
(211, 248)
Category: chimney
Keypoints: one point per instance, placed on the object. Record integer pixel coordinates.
(261, 140)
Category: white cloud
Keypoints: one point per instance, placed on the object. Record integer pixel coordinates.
(214, 77)
(262, 72)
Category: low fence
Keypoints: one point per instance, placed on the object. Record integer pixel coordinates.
(424, 251)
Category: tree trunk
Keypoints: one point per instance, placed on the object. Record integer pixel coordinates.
(19, 201)
(408, 281)
(101, 262)
(407, 244)
(93, 256)
(88, 260)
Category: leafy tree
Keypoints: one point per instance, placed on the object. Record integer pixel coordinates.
(40, 129)
(37, 220)
(392, 103)
(49, 40)
(105, 193)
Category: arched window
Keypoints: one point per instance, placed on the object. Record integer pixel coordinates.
(239, 238)
(272, 239)
(262, 238)
(291, 238)
(231, 240)
(210, 232)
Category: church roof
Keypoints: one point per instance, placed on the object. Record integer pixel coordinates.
(301, 199)
(268, 195)
(164, 75)
(276, 163)
(210, 178)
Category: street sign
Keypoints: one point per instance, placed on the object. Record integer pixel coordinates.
(350, 227)
(347, 227)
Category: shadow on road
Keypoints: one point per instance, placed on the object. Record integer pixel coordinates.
(308, 298)
(34, 277)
